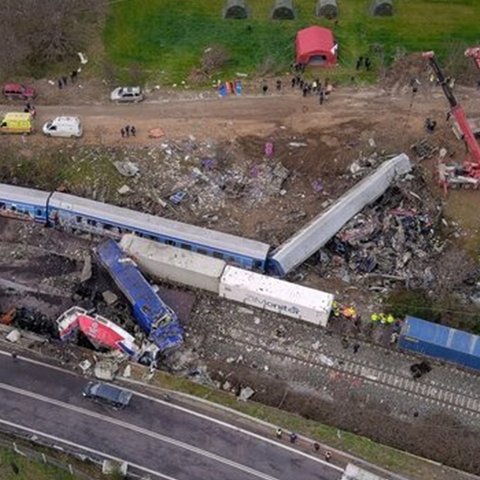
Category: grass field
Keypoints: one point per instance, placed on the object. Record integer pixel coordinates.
(170, 35)
(16, 467)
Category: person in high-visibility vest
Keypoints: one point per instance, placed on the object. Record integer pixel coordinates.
(390, 319)
(375, 317)
(348, 312)
(383, 319)
(335, 309)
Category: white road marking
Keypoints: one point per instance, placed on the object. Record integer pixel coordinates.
(237, 429)
(138, 429)
(83, 447)
(196, 414)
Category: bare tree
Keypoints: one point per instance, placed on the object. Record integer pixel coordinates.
(41, 33)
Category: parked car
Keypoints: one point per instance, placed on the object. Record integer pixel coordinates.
(17, 91)
(127, 94)
(63, 127)
(107, 393)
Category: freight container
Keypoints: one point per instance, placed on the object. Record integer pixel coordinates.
(278, 296)
(174, 264)
(440, 342)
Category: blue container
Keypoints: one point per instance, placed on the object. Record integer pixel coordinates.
(440, 342)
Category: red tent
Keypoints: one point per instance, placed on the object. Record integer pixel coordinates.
(316, 46)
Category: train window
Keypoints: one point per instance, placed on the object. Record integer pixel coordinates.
(170, 242)
(185, 246)
(13, 208)
(217, 255)
(202, 251)
(39, 212)
(230, 259)
(78, 219)
(139, 234)
(2, 206)
(107, 226)
(257, 264)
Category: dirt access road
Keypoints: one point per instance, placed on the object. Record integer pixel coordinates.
(380, 113)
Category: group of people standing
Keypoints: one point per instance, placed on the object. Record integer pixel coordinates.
(127, 131)
(314, 87)
(363, 62)
(63, 81)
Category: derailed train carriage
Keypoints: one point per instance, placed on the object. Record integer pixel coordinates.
(80, 214)
(76, 213)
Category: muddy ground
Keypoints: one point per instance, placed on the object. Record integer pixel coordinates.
(214, 150)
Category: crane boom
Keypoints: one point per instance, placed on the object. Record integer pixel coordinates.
(459, 115)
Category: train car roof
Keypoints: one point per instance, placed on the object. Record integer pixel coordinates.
(23, 195)
(154, 224)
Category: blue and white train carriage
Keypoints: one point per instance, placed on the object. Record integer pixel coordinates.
(88, 215)
(76, 213)
(24, 203)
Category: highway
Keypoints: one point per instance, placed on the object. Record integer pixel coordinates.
(164, 440)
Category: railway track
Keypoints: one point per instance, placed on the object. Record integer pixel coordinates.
(334, 364)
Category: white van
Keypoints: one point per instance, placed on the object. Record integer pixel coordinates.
(63, 127)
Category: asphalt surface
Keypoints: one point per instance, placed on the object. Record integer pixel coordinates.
(154, 435)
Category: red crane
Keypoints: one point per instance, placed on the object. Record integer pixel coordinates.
(472, 162)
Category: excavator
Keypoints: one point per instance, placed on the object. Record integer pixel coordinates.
(469, 173)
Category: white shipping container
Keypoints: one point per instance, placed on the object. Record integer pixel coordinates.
(278, 296)
(174, 264)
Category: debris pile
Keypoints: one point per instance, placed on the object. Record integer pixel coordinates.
(423, 149)
(34, 321)
(393, 240)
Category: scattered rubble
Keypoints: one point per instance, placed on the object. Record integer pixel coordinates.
(109, 297)
(14, 336)
(127, 169)
(127, 372)
(393, 240)
(85, 365)
(86, 270)
(105, 370)
(245, 394)
(424, 149)
(124, 190)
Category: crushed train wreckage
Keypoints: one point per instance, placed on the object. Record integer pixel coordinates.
(101, 332)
